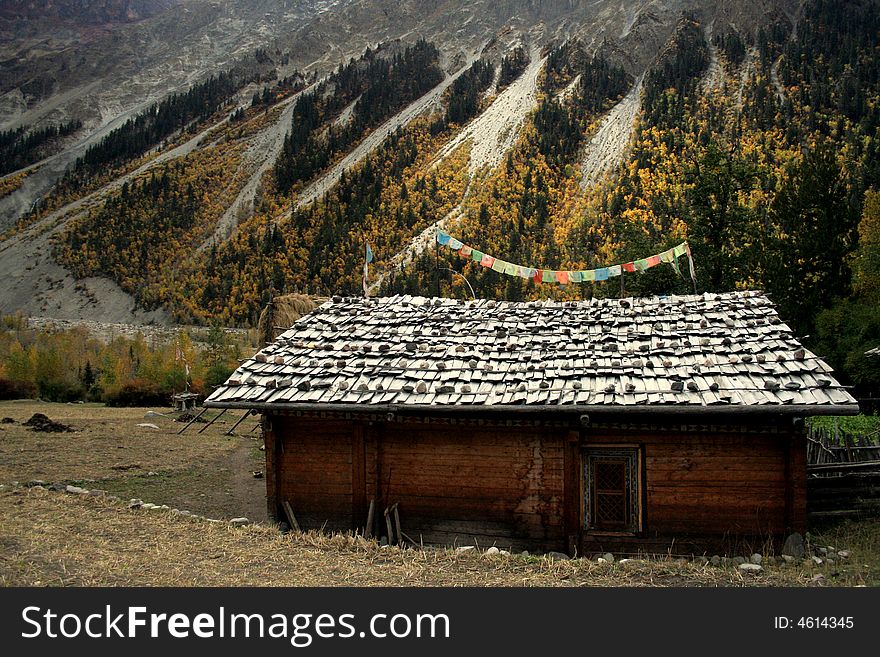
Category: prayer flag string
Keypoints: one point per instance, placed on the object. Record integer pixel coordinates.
(563, 277)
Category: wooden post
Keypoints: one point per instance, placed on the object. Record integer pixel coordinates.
(358, 478)
(571, 505)
(272, 452)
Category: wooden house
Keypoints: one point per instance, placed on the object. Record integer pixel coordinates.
(630, 425)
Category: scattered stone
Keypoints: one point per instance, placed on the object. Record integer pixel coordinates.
(152, 474)
(787, 558)
(36, 482)
(738, 561)
(843, 554)
(504, 553)
(493, 551)
(831, 548)
(464, 548)
(258, 474)
(113, 498)
(756, 558)
(601, 560)
(525, 553)
(7, 420)
(135, 503)
(39, 422)
(608, 557)
(557, 556)
(97, 493)
(818, 578)
(794, 546)
(817, 561)
(184, 512)
(76, 490)
(750, 568)
(32, 488)
(701, 560)
(239, 522)
(715, 560)
(148, 425)
(823, 551)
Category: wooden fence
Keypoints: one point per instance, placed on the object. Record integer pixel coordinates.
(843, 475)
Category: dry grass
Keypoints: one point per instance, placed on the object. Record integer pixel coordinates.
(53, 539)
(49, 538)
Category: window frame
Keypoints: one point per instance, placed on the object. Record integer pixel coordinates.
(633, 481)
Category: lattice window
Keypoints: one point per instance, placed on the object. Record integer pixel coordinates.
(611, 495)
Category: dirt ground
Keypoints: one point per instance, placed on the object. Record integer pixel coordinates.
(209, 473)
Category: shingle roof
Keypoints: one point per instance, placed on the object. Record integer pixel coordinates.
(712, 352)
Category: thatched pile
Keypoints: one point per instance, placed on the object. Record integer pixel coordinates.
(281, 313)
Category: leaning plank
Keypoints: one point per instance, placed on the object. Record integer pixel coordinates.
(368, 530)
(291, 519)
(397, 524)
(203, 411)
(388, 525)
(213, 420)
(844, 467)
(237, 422)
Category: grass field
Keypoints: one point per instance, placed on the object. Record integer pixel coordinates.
(53, 538)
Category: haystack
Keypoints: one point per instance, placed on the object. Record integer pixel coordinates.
(280, 314)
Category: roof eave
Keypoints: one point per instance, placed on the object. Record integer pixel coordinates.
(803, 410)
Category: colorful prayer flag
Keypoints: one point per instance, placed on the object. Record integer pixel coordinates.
(487, 260)
(476, 256)
(443, 238)
(629, 266)
(614, 271)
(562, 277)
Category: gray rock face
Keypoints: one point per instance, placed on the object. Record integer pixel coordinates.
(557, 556)
(756, 558)
(794, 546)
(239, 522)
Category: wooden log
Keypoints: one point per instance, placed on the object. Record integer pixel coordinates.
(368, 530)
(291, 519)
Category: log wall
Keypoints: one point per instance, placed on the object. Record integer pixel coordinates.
(521, 487)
